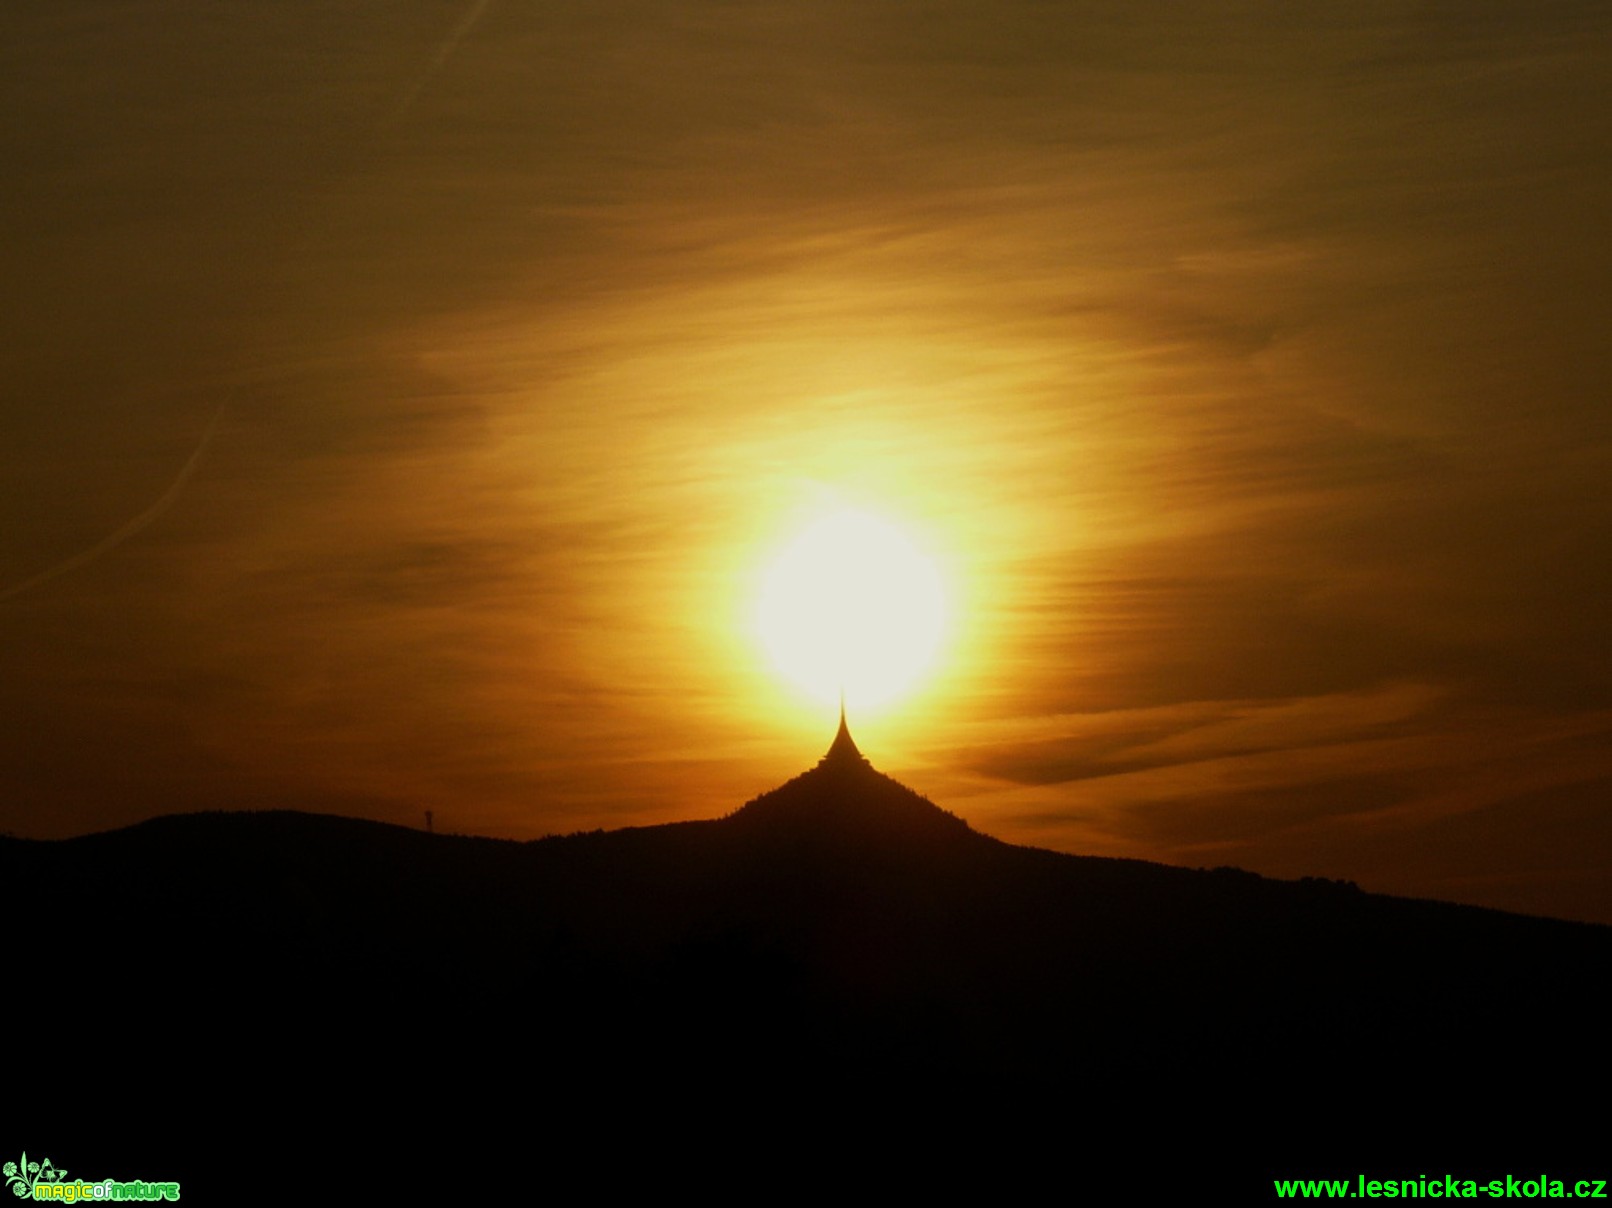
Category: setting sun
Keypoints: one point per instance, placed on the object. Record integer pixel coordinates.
(852, 604)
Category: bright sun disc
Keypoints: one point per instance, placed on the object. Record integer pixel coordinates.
(852, 604)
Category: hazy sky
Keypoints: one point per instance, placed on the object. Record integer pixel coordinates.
(398, 402)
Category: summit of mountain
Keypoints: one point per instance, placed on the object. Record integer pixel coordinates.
(845, 798)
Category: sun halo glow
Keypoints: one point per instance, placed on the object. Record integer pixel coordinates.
(851, 604)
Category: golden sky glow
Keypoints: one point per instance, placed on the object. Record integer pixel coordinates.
(450, 377)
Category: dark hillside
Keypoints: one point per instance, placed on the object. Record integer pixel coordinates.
(840, 951)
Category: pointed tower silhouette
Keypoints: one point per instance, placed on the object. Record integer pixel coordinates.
(842, 752)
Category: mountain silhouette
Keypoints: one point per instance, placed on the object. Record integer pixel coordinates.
(845, 802)
(839, 958)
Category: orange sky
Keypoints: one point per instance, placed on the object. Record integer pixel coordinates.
(400, 404)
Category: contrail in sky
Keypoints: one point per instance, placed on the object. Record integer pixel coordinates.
(166, 500)
(118, 536)
(449, 45)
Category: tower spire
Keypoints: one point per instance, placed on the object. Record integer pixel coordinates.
(843, 749)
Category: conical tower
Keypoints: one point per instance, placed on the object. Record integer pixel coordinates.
(842, 751)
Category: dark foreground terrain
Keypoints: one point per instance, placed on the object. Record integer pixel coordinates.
(838, 986)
